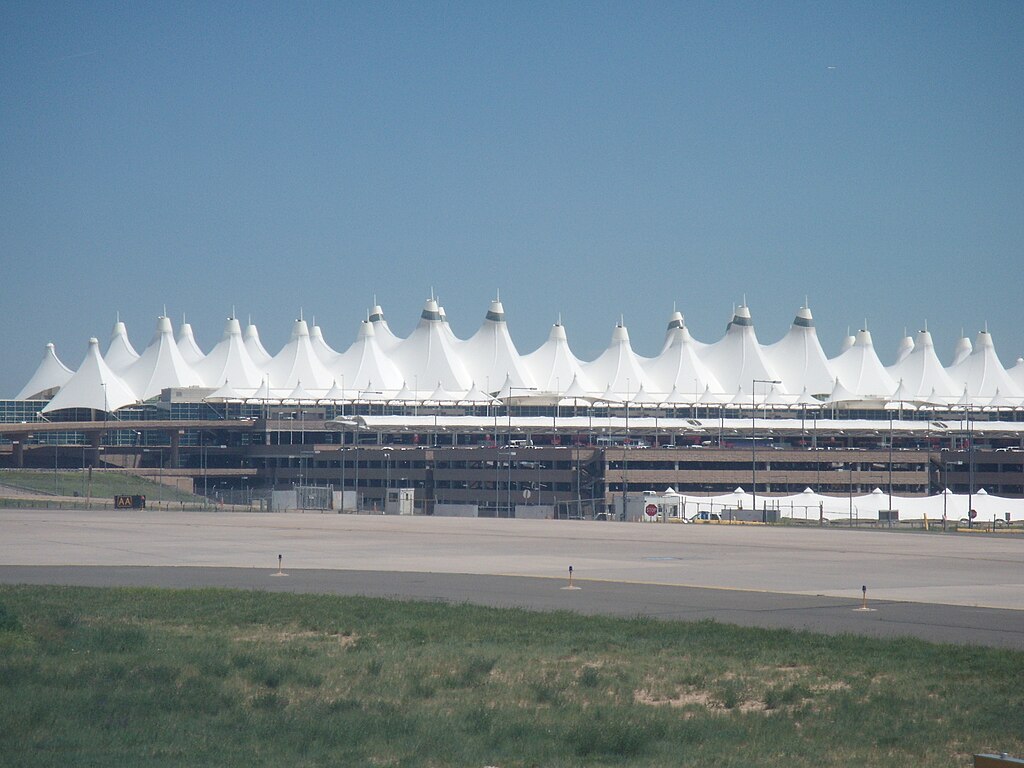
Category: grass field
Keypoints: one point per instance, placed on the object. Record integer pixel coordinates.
(93, 677)
(103, 485)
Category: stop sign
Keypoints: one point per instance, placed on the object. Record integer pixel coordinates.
(973, 513)
(651, 510)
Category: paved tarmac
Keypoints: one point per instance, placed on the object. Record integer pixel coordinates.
(947, 588)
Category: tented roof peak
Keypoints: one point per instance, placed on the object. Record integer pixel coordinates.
(376, 314)
(863, 338)
(94, 385)
(676, 321)
(620, 334)
(430, 311)
(50, 374)
(300, 329)
(496, 313)
(804, 318)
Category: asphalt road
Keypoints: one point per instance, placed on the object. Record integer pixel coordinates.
(945, 588)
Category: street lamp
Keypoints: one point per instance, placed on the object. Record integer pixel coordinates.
(753, 437)
(387, 478)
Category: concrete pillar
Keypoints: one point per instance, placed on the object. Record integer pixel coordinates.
(175, 460)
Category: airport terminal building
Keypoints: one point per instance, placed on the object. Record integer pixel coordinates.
(471, 426)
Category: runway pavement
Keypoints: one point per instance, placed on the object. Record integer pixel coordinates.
(948, 588)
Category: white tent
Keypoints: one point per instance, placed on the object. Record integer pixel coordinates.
(960, 351)
(554, 367)
(982, 373)
(799, 359)
(738, 358)
(429, 353)
(51, 374)
(385, 338)
(921, 372)
(160, 366)
(229, 361)
(297, 361)
(905, 347)
(860, 370)
(120, 352)
(678, 366)
(254, 347)
(225, 393)
(490, 355)
(365, 361)
(93, 386)
(186, 341)
(323, 350)
(618, 366)
(1017, 373)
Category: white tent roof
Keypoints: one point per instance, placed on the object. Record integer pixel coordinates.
(93, 385)
(554, 367)
(685, 367)
(490, 354)
(429, 353)
(160, 366)
(960, 351)
(300, 394)
(323, 350)
(336, 392)
(982, 373)
(263, 392)
(51, 374)
(225, 393)
(297, 361)
(385, 338)
(120, 352)
(678, 366)
(847, 342)
(365, 361)
(799, 359)
(229, 361)
(860, 370)
(254, 347)
(738, 358)
(186, 341)
(905, 347)
(475, 395)
(1017, 373)
(921, 372)
(619, 367)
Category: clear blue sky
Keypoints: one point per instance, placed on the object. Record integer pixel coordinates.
(591, 159)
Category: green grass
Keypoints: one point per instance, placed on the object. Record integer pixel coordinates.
(104, 485)
(92, 677)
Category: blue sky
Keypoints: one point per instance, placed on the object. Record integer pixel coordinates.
(598, 160)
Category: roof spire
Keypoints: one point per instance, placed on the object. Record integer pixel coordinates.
(117, 316)
(559, 319)
(807, 302)
(165, 311)
(300, 318)
(497, 294)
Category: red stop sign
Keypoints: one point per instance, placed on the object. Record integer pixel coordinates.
(651, 510)
(973, 513)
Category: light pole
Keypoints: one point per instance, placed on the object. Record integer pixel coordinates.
(753, 437)
(970, 467)
(387, 478)
(508, 488)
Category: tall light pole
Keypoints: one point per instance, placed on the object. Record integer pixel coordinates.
(753, 437)
(387, 478)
